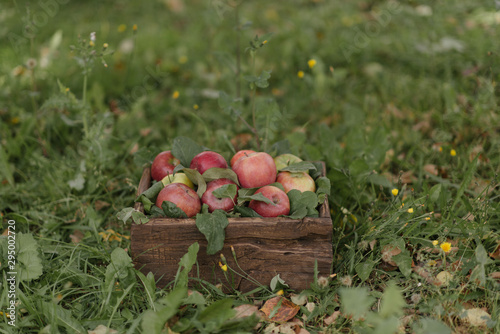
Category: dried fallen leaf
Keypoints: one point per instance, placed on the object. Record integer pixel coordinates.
(444, 278)
(246, 310)
(77, 236)
(496, 253)
(331, 318)
(388, 251)
(431, 169)
(101, 329)
(476, 317)
(495, 275)
(279, 309)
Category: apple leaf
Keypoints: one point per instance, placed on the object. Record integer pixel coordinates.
(225, 191)
(323, 185)
(213, 226)
(220, 173)
(126, 213)
(185, 149)
(256, 197)
(148, 197)
(280, 147)
(197, 179)
(245, 211)
(171, 210)
(302, 166)
(302, 204)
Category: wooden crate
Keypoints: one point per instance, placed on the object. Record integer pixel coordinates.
(264, 247)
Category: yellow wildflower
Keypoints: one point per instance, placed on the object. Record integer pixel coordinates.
(223, 266)
(410, 210)
(175, 95)
(196, 107)
(15, 120)
(105, 45)
(395, 192)
(122, 28)
(134, 27)
(453, 153)
(264, 42)
(445, 246)
(427, 218)
(311, 63)
(91, 43)
(111, 235)
(435, 243)
(280, 293)
(300, 74)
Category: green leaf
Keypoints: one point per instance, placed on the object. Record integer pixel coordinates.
(120, 268)
(149, 284)
(28, 263)
(302, 204)
(429, 325)
(60, 316)
(392, 302)
(213, 227)
(196, 178)
(154, 321)
(225, 191)
(403, 261)
(220, 173)
(302, 166)
(256, 197)
(145, 155)
(356, 301)
(364, 269)
(152, 192)
(261, 81)
(482, 256)
(172, 210)
(186, 264)
(218, 312)
(245, 211)
(435, 192)
(280, 147)
(185, 149)
(137, 217)
(277, 283)
(323, 185)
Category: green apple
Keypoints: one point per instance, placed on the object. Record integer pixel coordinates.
(177, 178)
(284, 160)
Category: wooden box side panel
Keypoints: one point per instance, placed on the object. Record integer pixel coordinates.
(264, 249)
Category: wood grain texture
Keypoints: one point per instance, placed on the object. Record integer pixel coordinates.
(264, 247)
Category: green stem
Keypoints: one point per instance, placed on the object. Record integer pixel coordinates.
(84, 99)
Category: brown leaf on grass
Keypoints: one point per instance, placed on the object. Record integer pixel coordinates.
(134, 149)
(426, 275)
(496, 253)
(495, 275)
(100, 205)
(77, 236)
(431, 169)
(279, 309)
(476, 317)
(388, 251)
(247, 310)
(331, 318)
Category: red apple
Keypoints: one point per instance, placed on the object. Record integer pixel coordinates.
(215, 203)
(163, 165)
(255, 170)
(277, 196)
(240, 154)
(206, 160)
(181, 195)
(300, 180)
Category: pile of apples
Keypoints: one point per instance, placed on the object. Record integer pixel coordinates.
(253, 170)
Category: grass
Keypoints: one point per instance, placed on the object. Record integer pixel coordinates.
(403, 95)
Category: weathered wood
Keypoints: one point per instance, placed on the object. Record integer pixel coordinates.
(264, 247)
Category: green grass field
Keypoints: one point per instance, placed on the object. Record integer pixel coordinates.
(399, 98)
